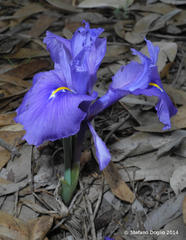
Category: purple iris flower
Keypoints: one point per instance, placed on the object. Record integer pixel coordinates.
(107, 238)
(59, 99)
(139, 78)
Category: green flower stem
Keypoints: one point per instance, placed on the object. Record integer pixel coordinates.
(72, 153)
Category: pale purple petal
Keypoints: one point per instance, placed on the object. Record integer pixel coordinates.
(54, 45)
(102, 152)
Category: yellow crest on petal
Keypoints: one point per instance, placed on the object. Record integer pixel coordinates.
(59, 89)
(156, 85)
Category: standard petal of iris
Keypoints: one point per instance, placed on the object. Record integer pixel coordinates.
(153, 51)
(84, 37)
(54, 44)
(50, 118)
(102, 152)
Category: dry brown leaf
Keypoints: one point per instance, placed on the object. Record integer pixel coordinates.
(25, 12)
(12, 137)
(156, 8)
(41, 25)
(28, 53)
(91, 17)
(62, 5)
(40, 227)
(119, 27)
(115, 52)
(141, 28)
(7, 119)
(16, 229)
(15, 81)
(4, 158)
(105, 3)
(12, 228)
(179, 19)
(160, 23)
(24, 70)
(117, 185)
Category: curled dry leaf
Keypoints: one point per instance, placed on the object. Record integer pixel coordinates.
(117, 185)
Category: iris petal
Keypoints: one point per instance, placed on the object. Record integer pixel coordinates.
(54, 44)
(84, 37)
(46, 118)
(102, 152)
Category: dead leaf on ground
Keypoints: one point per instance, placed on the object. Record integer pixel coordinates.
(171, 209)
(41, 25)
(178, 179)
(24, 70)
(117, 185)
(4, 158)
(7, 119)
(115, 52)
(156, 8)
(39, 227)
(179, 19)
(91, 17)
(14, 228)
(63, 5)
(147, 167)
(176, 228)
(141, 28)
(25, 12)
(12, 137)
(15, 81)
(141, 142)
(105, 3)
(27, 53)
